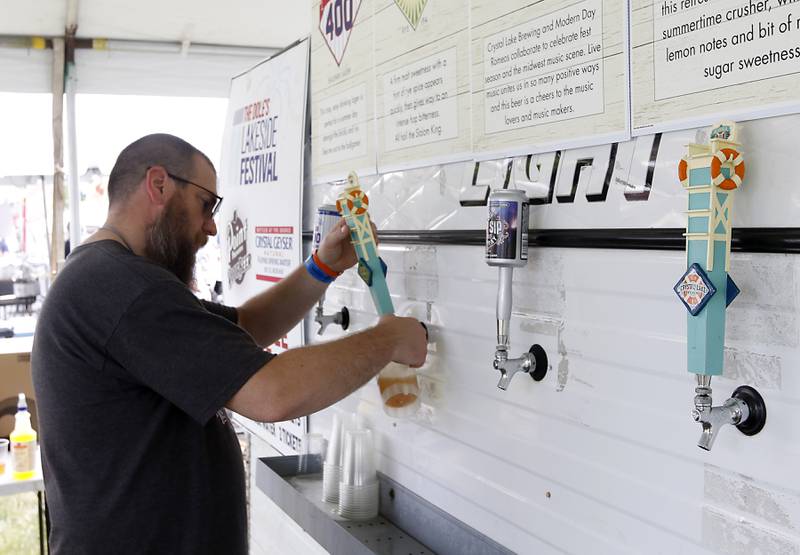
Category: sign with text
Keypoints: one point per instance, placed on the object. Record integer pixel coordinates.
(697, 60)
(261, 178)
(342, 89)
(422, 87)
(548, 75)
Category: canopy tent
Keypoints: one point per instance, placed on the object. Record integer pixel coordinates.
(179, 48)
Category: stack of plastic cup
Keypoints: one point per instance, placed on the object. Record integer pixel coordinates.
(332, 467)
(312, 454)
(358, 486)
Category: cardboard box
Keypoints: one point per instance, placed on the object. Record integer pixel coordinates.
(15, 378)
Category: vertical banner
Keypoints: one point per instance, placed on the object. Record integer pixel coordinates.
(422, 83)
(548, 75)
(342, 89)
(261, 178)
(697, 61)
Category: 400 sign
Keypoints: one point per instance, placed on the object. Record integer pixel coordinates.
(336, 20)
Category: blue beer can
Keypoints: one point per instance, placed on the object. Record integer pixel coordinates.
(507, 228)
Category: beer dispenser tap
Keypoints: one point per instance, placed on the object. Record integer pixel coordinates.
(711, 174)
(507, 248)
(398, 383)
(327, 218)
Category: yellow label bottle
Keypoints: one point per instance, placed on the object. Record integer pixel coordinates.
(23, 442)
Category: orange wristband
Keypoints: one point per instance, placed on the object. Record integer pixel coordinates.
(330, 272)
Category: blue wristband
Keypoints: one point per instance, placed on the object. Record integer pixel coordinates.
(316, 272)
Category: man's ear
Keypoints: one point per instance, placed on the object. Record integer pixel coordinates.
(154, 181)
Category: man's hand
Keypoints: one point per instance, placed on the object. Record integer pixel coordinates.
(336, 251)
(409, 338)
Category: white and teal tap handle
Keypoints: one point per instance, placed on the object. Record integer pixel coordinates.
(711, 174)
(353, 204)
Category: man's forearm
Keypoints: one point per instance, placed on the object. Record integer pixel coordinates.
(307, 379)
(270, 315)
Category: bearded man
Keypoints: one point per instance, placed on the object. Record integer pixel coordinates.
(133, 373)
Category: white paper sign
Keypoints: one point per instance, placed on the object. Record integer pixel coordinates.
(343, 125)
(547, 69)
(548, 75)
(261, 178)
(420, 102)
(715, 44)
(695, 62)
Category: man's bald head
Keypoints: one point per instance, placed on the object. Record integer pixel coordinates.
(158, 149)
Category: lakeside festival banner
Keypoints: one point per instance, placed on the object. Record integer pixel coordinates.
(342, 89)
(548, 75)
(261, 178)
(422, 83)
(695, 61)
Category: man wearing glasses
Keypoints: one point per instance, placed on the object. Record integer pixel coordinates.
(132, 371)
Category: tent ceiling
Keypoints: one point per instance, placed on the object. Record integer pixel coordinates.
(258, 23)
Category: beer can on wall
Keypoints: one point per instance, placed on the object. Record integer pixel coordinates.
(327, 216)
(507, 228)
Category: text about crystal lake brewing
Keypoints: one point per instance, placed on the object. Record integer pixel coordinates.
(545, 70)
(259, 144)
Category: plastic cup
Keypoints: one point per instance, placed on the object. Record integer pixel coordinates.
(332, 468)
(399, 390)
(4, 455)
(334, 452)
(330, 482)
(312, 454)
(359, 502)
(358, 462)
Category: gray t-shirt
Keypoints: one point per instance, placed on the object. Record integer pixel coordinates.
(131, 374)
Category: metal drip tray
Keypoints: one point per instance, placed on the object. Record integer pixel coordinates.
(406, 525)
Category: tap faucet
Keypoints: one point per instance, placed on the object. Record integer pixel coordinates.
(534, 363)
(341, 318)
(745, 409)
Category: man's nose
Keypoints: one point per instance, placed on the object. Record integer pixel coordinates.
(210, 227)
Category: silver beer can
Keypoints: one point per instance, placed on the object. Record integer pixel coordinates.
(507, 228)
(327, 217)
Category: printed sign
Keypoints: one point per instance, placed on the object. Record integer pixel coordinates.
(422, 83)
(694, 61)
(548, 75)
(239, 260)
(412, 9)
(342, 89)
(287, 437)
(336, 18)
(261, 177)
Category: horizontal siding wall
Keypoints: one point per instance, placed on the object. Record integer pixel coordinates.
(600, 457)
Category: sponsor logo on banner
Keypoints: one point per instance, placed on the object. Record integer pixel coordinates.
(412, 9)
(239, 260)
(336, 20)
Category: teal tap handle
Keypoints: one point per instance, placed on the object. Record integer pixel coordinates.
(353, 204)
(710, 174)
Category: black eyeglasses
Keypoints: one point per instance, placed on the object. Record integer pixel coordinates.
(210, 207)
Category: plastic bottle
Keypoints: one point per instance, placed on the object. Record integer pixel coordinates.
(23, 442)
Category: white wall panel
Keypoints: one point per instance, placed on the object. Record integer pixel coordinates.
(601, 456)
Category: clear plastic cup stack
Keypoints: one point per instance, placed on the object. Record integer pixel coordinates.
(332, 467)
(358, 486)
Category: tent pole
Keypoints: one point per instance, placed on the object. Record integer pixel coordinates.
(72, 144)
(57, 236)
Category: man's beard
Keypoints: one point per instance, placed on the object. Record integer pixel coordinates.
(168, 243)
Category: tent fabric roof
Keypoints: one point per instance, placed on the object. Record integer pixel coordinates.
(254, 23)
